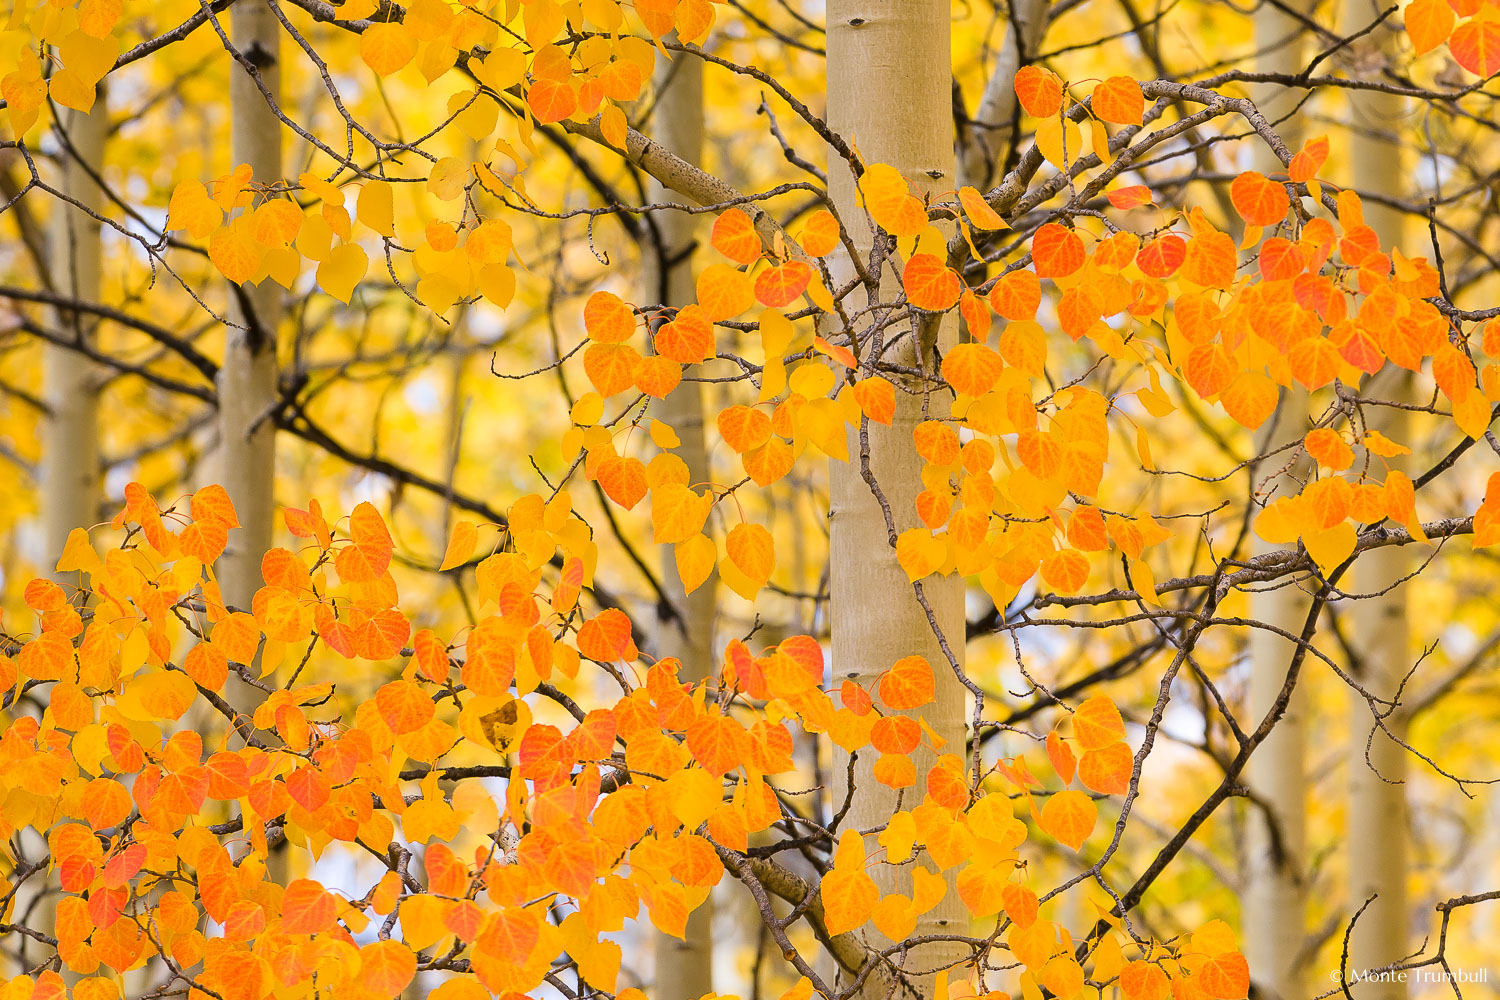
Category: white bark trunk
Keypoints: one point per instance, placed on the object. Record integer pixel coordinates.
(1378, 820)
(889, 92)
(684, 966)
(247, 381)
(1275, 850)
(982, 153)
(70, 381)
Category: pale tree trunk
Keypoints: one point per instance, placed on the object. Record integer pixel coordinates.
(247, 381)
(70, 381)
(1274, 903)
(1377, 816)
(889, 93)
(684, 966)
(982, 151)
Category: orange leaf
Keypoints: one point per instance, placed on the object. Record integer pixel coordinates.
(1097, 724)
(1259, 200)
(608, 318)
(1056, 251)
(744, 427)
(1069, 816)
(735, 237)
(606, 636)
(779, 286)
(1039, 91)
(972, 369)
(1107, 769)
(1475, 44)
(1133, 196)
(386, 967)
(930, 284)
(876, 398)
(368, 557)
(1119, 100)
(1017, 295)
(821, 234)
(908, 684)
(718, 742)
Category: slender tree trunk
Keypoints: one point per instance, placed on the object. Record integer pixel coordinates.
(1377, 818)
(1275, 849)
(889, 92)
(247, 381)
(70, 381)
(684, 966)
(983, 149)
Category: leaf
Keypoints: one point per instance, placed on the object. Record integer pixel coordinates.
(1066, 570)
(552, 100)
(370, 554)
(1475, 44)
(607, 318)
(908, 684)
(385, 47)
(1017, 295)
(1069, 817)
(1144, 981)
(606, 636)
(735, 237)
(1107, 770)
(752, 551)
(718, 742)
(782, 285)
(1119, 100)
(1131, 196)
(820, 235)
(849, 894)
(972, 369)
(1061, 756)
(877, 399)
(1056, 251)
(386, 967)
(1097, 724)
(1259, 200)
(404, 706)
(930, 284)
(695, 558)
(1039, 91)
(461, 543)
(890, 202)
(724, 292)
(342, 270)
(980, 214)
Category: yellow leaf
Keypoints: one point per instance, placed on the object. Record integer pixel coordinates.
(342, 270)
(695, 559)
(460, 544)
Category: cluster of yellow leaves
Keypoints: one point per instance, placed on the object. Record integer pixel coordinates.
(85, 47)
(626, 811)
(254, 233)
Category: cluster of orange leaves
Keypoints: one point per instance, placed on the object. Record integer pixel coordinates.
(155, 821)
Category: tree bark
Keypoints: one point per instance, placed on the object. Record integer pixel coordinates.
(889, 92)
(70, 381)
(982, 151)
(247, 381)
(684, 966)
(1274, 870)
(1378, 818)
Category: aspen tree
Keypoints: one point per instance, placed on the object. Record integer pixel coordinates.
(684, 966)
(1377, 816)
(247, 380)
(889, 94)
(1275, 848)
(70, 380)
